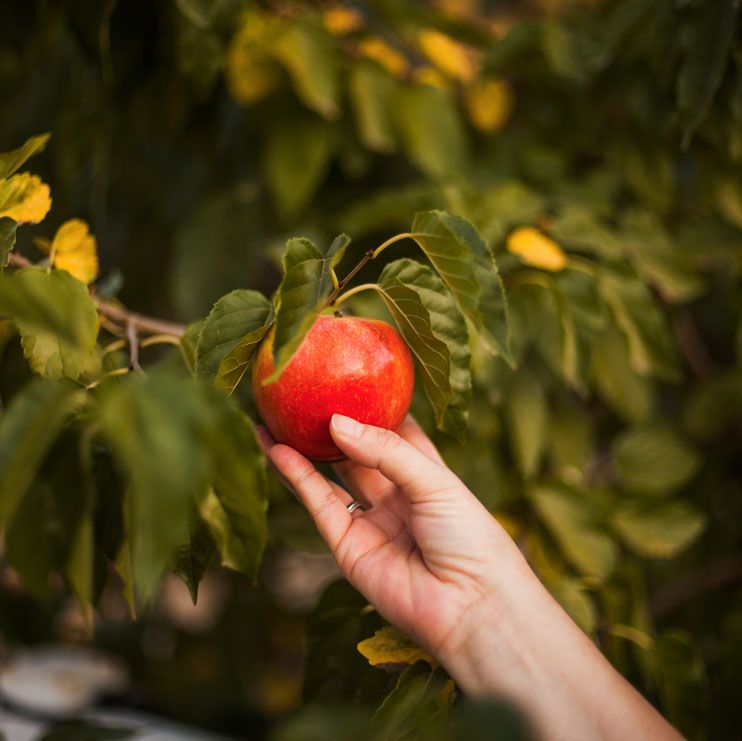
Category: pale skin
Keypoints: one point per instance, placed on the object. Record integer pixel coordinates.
(435, 563)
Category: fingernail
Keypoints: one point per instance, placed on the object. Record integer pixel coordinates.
(346, 426)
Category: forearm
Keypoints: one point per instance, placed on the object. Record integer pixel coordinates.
(524, 647)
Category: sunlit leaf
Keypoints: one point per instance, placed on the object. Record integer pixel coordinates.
(390, 646)
(489, 103)
(249, 70)
(569, 516)
(467, 266)
(27, 429)
(447, 325)
(340, 20)
(24, 198)
(654, 459)
(306, 284)
(233, 316)
(379, 51)
(10, 162)
(658, 529)
(74, 249)
(308, 52)
(449, 56)
(536, 249)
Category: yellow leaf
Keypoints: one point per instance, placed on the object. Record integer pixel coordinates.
(74, 249)
(25, 198)
(450, 57)
(427, 75)
(341, 20)
(535, 248)
(489, 104)
(250, 73)
(390, 646)
(384, 54)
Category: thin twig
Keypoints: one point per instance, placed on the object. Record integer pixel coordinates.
(116, 312)
(693, 347)
(133, 338)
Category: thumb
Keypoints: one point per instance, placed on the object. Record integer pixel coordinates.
(419, 477)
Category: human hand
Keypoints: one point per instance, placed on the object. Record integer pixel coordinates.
(425, 553)
(435, 563)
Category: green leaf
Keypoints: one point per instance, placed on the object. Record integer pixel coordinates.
(447, 325)
(306, 284)
(621, 388)
(27, 429)
(372, 91)
(189, 342)
(527, 416)
(570, 440)
(658, 529)
(416, 697)
(298, 149)
(431, 131)
(308, 53)
(11, 161)
(28, 544)
(8, 228)
(467, 266)
(232, 317)
(154, 427)
(50, 303)
(657, 260)
(79, 565)
(239, 482)
(654, 459)
(572, 595)
(651, 347)
(581, 315)
(569, 515)
(579, 228)
(195, 556)
(706, 42)
(232, 369)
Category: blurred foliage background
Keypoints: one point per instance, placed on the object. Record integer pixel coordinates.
(596, 145)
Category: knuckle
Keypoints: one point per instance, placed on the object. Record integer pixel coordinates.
(303, 476)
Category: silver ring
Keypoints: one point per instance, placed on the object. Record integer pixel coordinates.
(353, 506)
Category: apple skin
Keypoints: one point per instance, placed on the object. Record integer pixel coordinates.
(345, 365)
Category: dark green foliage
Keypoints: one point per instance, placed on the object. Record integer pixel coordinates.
(196, 144)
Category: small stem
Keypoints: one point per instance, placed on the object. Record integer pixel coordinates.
(389, 242)
(131, 335)
(354, 291)
(160, 339)
(113, 346)
(334, 277)
(367, 257)
(116, 372)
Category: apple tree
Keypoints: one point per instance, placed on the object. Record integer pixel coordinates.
(545, 200)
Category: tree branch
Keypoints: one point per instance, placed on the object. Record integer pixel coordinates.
(118, 313)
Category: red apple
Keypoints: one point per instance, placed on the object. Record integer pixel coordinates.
(345, 365)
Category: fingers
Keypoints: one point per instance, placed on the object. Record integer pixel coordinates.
(402, 463)
(368, 483)
(321, 497)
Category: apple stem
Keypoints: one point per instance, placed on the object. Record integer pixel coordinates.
(369, 255)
